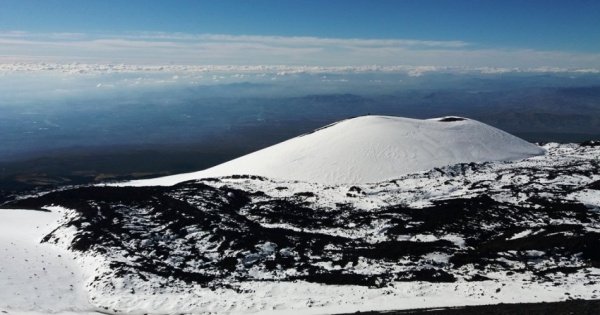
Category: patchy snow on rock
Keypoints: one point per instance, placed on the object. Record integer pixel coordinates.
(475, 233)
(471, 233)
(370, 149)
(587, 197)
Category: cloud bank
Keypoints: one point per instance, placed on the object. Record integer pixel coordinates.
(241, 71)
(153, 49)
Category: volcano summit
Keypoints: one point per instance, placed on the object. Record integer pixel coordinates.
(370, 149)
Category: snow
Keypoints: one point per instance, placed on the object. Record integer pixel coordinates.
(587, 197)
(421, 189)
(37, 277)
(51, 291)
(520, 235)
(370, 149)
(266, 297)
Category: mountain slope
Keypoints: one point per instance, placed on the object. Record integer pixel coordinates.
(371, 149)
(36, 278)
(467, 234)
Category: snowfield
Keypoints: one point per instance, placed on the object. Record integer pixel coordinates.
(370, 149)
(36, 277)
(371, 213)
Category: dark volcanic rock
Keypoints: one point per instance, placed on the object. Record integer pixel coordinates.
(247, 228)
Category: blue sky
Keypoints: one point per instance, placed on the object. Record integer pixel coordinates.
(469, 33)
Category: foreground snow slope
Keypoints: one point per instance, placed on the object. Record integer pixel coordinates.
(370, 149)
(35, 276)
(467, 234)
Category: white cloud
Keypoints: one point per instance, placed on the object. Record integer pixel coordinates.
(219, 49)
(245, 71)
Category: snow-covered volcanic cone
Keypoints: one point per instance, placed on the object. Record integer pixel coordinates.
(370, 149)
